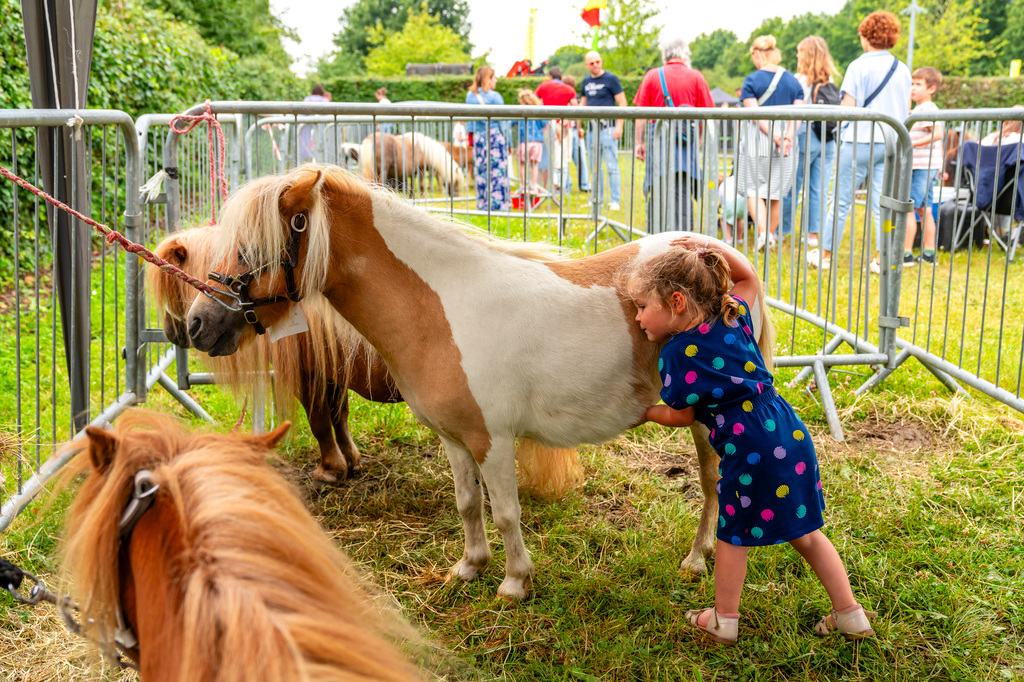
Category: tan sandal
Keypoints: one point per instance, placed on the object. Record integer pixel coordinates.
(719, 628)
(853, 625)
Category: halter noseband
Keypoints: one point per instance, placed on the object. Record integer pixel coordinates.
(238, 285)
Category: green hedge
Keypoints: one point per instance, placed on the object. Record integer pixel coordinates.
(977, 93)
(956, 93)
(438, 88)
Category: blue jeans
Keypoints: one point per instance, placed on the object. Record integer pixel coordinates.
(819, 163)
(854, 162)
(609, 155)
(922, 182)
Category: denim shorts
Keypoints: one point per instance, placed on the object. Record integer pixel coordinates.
(922, 182)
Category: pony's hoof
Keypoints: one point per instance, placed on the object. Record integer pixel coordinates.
(464, 571)
(693, 567)
(513, 589)
(324, 476)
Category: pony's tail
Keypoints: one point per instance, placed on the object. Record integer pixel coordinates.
(548, 473)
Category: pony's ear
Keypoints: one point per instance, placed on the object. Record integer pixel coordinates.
(102, 446)
(178, 254)
(270, 440)
(299, 197)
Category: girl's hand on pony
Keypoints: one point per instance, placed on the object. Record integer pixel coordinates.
(667, 416)
(690, 240)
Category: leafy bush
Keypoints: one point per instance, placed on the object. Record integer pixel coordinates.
(977, 93)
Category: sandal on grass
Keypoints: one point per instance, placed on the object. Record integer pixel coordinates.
(719, 628)
(852, 625)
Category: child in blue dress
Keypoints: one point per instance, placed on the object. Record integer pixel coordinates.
(713, 372)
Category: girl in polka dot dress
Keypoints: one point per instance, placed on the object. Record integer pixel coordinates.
(713, 372)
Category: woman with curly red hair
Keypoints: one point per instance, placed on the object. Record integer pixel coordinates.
(880, 82)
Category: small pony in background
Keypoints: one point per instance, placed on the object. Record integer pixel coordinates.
(202, 562)
(317, 367)
(394, 160)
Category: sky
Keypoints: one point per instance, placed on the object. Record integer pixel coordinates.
(502, 27)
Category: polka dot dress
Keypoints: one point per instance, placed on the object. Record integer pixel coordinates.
(770, 490)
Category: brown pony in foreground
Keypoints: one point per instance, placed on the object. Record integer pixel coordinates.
(317, 367)
(226, 577)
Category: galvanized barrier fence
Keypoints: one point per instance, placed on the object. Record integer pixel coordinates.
(966, 319)
(661, 173)
(65, 310)
(825, 307)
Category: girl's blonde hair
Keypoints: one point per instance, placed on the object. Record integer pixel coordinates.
(703, 277)
(814, 60)
(483, 75)
(765, 46)
(527, 97)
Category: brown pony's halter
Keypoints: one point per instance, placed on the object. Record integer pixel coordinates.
(238, 285)
(143, 496)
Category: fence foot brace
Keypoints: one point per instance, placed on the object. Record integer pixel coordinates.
(827, 403)
(882, 374)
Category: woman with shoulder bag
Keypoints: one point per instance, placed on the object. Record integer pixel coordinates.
(878, 81)
(766, 175)
(815, 140)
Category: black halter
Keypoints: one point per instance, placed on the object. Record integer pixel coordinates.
(238, 285)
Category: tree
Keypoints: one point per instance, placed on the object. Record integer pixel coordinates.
(949, 38)
(246, 27)
(364, 16)
(707, 48)
(632, 39)
(566, 56)
(422, 39)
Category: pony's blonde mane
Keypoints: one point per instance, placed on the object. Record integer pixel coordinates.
(251, 222)
(266, 595)
(332, 344)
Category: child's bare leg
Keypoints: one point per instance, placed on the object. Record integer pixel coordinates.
(908, 243)
(775, 208)
(824, 560)
(928, 239)
(730, 572)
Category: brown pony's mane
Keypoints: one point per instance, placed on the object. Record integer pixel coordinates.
(250, 214)
(264, 594)
(335, 345)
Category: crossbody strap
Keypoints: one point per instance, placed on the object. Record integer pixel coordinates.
(664, 89)
(892, 70)
(771, 87)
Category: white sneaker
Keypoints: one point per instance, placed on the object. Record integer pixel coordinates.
(614, 206)
(812, 260)
(762, 239)
(812, 240)
(875, 268)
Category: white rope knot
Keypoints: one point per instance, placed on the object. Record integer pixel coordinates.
(151, 190)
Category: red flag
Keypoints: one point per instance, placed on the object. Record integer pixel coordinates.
(592, 11)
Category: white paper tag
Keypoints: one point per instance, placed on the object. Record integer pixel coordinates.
(293, 323)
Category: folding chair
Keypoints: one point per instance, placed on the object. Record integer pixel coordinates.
(995, 177)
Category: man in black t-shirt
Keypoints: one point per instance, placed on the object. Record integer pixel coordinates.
(603, 89)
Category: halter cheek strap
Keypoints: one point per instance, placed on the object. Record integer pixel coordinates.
(238, 285)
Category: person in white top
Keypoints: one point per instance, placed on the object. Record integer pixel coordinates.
(880, 82)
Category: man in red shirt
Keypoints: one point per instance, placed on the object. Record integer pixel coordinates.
(555, 93)
(669, 147)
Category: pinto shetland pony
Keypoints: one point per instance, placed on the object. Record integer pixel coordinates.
(399, 158)
(486, 342)
(226, 577)
(318, 367)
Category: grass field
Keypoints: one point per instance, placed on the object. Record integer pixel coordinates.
(925, 504)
